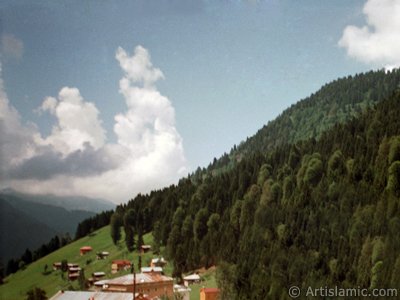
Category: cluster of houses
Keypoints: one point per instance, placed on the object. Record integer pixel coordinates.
(149, 284)
(73, 269)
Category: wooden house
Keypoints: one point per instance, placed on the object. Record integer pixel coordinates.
(145, 248)
(190, 279)
(85, 249)
(120, 264)
(152, 284)
(158, 262)
(57, 266)
(209, 294)
(102, 255)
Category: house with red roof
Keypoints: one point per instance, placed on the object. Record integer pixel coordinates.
(85, 249)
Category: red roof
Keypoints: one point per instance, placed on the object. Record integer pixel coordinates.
(86, 248)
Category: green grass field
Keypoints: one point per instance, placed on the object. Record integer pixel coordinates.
(17, 285)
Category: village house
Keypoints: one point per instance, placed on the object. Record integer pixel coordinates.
(145, 248)
(209, 294)
(158, 262)
(190, 279)
(120, 264)
(98, 275)
(152, 284)
(102, 255)
(56, 266)
(85, 249)
(74, 269)
(73, 276)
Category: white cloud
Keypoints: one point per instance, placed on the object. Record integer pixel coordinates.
(49, 104)
(138, 67)
(378, 42)
(78, 122)
(11, 46)
(75, 158)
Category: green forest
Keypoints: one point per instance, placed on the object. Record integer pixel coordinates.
(312, 199)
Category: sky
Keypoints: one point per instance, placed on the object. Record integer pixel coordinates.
(109, 99)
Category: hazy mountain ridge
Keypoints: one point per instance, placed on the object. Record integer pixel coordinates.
(19, 231)
(67, 202)
(28, 224)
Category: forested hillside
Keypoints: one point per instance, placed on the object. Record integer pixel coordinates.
(317, 212)
(336, 102)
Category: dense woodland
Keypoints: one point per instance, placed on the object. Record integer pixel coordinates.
(313, 199)
(314, 212)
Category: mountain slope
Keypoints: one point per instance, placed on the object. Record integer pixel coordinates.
(42, 221)
(57, 218)
(19, 231)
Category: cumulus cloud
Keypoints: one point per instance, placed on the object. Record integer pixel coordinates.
(11, 46)
(75, 159)
(78, 122)
(138, 67)
(378, 42)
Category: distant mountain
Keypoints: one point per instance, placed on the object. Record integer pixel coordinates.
(19, 231)
(28, 224)
(57, 218)
(67, 202)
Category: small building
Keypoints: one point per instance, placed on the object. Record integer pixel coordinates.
(158, 262)
(72, 265)
(120, 264)
(94, 295)
(74, 269)
(102, 255)
(151, 270)
(209, 294)
(98, 285)
(73, 276)
(85, 249)
(145, 248)
(98, 275)
(190, 279)
(182, 292)
(152, 284)
(57, 266)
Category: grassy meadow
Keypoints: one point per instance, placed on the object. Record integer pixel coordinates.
(17, 285)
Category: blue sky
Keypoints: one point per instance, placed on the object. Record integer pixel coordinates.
(228, 66)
